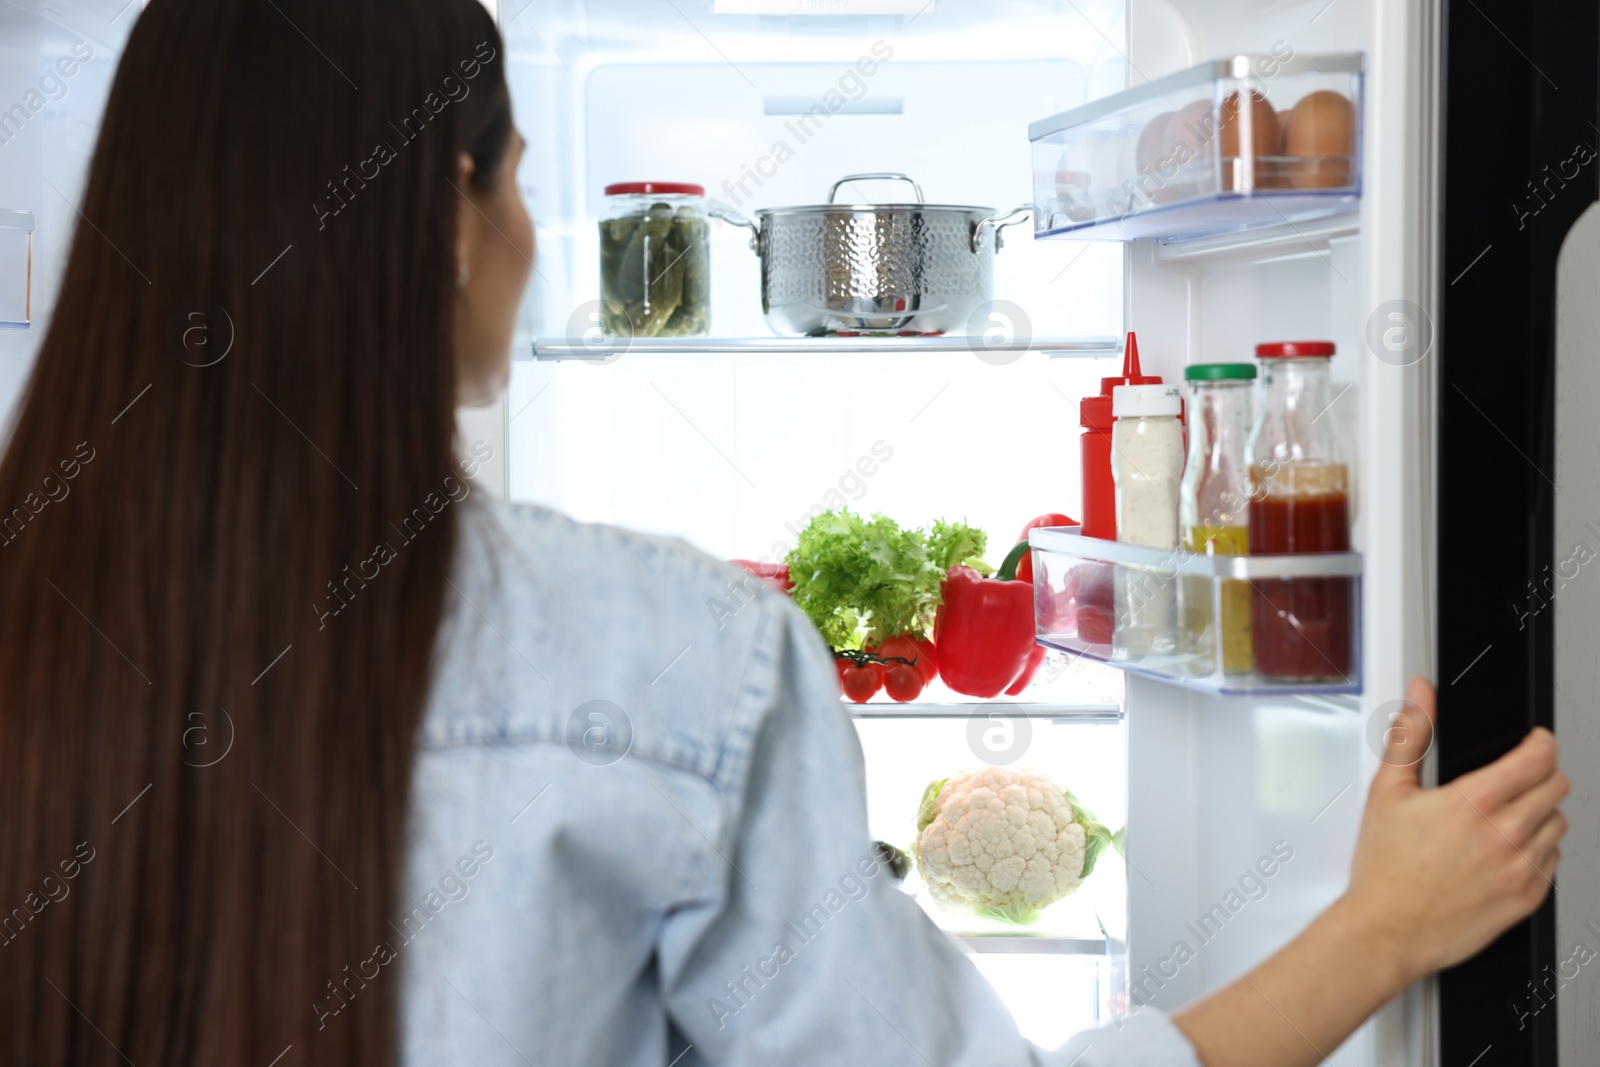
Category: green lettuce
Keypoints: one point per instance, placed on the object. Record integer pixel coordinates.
(863, 580)
(952, 544)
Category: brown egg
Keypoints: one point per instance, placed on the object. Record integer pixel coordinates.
(1183, 141)
(1321, 134)
(1192, 127)
(1247, 137)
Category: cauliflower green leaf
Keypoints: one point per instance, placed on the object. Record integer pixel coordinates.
(1097, 835)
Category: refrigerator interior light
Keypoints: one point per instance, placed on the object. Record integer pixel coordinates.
(16, 268)
(822, 7)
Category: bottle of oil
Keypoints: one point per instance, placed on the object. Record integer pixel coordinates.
(1213, 513)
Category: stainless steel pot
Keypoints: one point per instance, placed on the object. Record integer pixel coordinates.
(874, 268)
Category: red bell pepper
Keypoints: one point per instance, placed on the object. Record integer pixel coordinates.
(1049, 518)
(1035, 658)
(985, 632)
(774, 574)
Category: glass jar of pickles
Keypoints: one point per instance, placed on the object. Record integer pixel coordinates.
(655, 261)
(1213, 515)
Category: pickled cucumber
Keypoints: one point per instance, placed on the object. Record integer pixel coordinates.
(655, 274)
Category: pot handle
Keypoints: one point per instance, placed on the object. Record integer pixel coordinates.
(888, 176)
(999, 222)
(733, 218)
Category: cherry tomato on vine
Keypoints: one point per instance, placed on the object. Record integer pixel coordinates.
(903, 682)
(913, 648)
(860, 683)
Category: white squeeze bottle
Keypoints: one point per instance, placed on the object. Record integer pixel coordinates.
(1147, 467)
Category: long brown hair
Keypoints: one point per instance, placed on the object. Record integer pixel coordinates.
(245, 388)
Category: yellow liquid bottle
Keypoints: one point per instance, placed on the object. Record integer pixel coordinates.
(1213, 607)
(1214, 634)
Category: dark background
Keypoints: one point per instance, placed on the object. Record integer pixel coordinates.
(1521, 91)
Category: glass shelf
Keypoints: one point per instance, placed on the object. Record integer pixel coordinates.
(1009, 943)
(1236, 143)
(604, 349)
(1288, 624)
(1065, 690)
(1058, 714)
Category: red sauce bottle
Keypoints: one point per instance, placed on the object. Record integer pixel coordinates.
(1094, 415)
(1300, 502)
(1096, 607)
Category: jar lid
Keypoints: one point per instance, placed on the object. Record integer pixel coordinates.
(1293, 349)
(1144, 401)
(1220, 372)
(655, 188)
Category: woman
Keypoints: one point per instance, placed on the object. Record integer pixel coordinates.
(313, 755)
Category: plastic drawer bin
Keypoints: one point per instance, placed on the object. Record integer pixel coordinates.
(1239, 142)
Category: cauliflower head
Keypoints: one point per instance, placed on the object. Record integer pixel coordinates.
(1004, 843)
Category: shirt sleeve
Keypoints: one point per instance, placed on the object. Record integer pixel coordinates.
(1145, 1038)
(801, 948)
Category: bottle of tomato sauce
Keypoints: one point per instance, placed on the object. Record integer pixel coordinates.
(1299, 502)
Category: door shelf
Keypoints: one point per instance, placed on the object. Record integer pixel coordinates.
(610, 349)
(1289, 624)
(1240, 142)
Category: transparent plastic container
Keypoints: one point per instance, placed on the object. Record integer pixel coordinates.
(1244, 141)
(655, 261)
(16, 269)
(1065, 562)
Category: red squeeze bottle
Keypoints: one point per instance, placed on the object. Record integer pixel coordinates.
(1094, 415)
(1095, 594)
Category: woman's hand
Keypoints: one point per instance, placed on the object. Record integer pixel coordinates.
(1439, 873)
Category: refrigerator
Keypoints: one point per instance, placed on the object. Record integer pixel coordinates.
(1454, 263)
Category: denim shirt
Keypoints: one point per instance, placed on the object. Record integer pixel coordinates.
(638, 834)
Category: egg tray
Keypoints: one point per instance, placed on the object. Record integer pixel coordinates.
(1245, 141)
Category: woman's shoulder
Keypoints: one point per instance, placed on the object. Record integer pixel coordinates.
(549, 621)
(534, 528)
